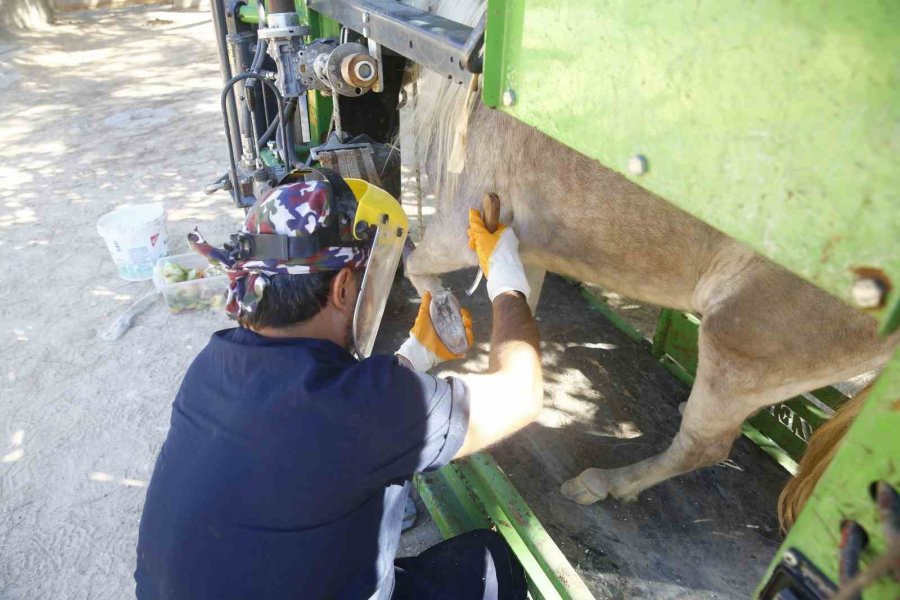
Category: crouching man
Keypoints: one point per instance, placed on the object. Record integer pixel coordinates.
(288, 461)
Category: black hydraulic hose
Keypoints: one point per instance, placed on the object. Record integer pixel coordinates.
(227, 92)
(853, 542)
(290, 152)
(289, 114)
(258, 56)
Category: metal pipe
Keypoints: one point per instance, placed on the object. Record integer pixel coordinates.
(280, 6)
(227, 92)
(217, 8)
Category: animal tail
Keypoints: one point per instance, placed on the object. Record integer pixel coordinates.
(443, 108)
(821, 449)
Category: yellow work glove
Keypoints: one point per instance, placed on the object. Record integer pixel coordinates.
(424, 349)
(498, 255)
(481, 240)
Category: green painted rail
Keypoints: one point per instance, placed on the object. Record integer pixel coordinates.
(474, 493)
(870, 452)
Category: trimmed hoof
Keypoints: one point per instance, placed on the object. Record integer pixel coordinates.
(585, 489)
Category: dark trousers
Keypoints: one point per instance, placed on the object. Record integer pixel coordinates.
(472, 566)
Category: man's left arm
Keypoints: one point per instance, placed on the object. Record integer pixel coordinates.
(424, 348)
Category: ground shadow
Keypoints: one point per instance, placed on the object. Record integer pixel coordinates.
(710, 533)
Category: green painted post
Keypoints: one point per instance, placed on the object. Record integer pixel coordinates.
(869, 452)
(474, 493)
(320, 106)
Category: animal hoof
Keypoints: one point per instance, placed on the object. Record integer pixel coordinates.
(584, 493)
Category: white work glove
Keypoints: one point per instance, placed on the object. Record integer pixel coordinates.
(424, 349)
(498, 255)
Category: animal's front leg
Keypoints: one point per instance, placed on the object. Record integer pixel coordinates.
(442, 249)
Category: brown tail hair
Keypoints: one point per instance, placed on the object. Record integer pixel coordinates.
(819, 452)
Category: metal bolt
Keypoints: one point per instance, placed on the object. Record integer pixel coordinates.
(365, 32)
(868, 292)
(365, 16)
(790, 559)
(509, 98)
(637, 164)
(364, 71)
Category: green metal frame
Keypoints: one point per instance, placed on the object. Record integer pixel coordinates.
(474, 493)
(776, 122)
(870, 452)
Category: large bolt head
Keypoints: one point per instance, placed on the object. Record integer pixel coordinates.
(637, 164)
(868, 292)
(359, 70)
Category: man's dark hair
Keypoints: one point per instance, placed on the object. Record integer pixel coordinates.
(290, 299)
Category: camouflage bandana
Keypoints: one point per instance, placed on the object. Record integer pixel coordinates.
(297, 210)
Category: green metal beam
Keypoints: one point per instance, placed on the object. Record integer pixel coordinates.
(320, 106)
(869, 452)
(776, 122)
(248, 13)
(474, 493)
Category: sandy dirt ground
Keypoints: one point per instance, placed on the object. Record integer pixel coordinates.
(103, 109)
(111, 108)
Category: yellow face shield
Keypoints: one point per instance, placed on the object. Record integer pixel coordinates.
(382, 211)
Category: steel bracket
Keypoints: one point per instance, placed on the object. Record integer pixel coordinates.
(439, 44)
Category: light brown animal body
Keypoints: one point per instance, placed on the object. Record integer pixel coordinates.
(766, 334)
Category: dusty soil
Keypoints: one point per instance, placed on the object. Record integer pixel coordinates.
(110, 108)
(104, 109)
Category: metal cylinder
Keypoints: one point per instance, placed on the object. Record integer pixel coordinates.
(281, 20)
(359, 70)
(280, 6)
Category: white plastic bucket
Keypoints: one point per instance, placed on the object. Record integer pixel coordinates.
(136, 237)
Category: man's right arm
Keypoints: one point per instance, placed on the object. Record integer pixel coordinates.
(510, 395)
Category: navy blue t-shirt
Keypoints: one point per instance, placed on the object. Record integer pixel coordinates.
(286, 468)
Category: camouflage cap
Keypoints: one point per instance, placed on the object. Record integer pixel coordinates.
(300, 209)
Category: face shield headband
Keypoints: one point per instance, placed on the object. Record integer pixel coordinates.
(296, 229)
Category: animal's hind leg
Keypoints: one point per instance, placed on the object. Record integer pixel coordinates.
(708, 428)
(772, 338)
